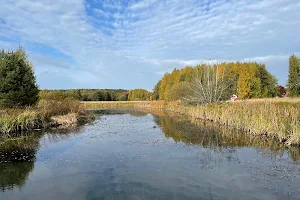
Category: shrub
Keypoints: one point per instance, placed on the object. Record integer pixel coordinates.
(179, 91)
(51, 108)
(123, 98)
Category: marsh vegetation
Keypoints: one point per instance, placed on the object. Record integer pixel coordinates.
(155, 154)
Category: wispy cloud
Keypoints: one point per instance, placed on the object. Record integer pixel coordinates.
(109, 40)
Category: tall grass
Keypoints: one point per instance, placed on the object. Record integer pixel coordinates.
(14, 121)
(50, 108)
(273, 118)
(278, 120)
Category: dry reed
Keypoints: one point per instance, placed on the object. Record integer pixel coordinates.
(271, 117)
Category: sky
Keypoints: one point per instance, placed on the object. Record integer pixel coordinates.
(131, 43)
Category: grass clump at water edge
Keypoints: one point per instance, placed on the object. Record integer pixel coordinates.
(13, 121)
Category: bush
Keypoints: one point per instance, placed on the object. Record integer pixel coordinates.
(51, 108)
(179, 91)
(139, 95)
(17, 81)
(123, 98)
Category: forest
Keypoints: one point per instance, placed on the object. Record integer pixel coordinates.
(246, 79)
(85, 94)
(97, 94)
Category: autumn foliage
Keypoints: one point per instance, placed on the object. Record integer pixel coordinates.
(246, 79)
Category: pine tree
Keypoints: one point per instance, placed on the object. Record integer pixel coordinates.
(293, 83)
(17, 81)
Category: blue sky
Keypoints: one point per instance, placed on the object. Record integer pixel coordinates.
(132, 43)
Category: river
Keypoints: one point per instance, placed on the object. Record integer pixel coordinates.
(147, 155)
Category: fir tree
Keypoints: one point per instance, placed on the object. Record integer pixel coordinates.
(17, 81)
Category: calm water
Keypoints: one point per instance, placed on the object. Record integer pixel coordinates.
(136, 155)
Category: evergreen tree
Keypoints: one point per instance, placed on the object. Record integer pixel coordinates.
(293, 83)
(17, 81)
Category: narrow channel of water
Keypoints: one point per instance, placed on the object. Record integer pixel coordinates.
(139, 155)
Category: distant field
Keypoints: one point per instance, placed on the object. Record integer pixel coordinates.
(95, 103)
(288, 100)
(123, 104)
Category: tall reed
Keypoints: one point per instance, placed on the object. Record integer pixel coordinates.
(277, 119)
(14, 121)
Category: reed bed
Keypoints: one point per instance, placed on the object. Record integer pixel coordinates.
(275, 100)
(14, 121)
(277, 119)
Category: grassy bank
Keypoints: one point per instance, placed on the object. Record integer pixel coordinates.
(14, 121)
(274, 118)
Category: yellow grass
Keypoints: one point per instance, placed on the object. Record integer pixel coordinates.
(286, 100)
(16, 120)
(278, 118)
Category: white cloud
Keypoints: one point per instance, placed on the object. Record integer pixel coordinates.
(149, 36)
(142, 4)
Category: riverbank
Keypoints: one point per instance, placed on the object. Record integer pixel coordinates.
(47, 114)
(272, 118)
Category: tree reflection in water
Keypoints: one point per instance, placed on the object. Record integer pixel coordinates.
(18, 155)
(219, 138)
(17, 159)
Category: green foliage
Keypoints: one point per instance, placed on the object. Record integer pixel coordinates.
(84, 94)
(123, 98)
(155, 93)
(17, 81)
(139, 95)
(179, 91)
(293, 83)
(247, 80)
(268, 82)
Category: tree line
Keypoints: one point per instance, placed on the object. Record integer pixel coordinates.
(85, 94)
(208, 82)
(139, 95)
(246, 79)
(97, 94)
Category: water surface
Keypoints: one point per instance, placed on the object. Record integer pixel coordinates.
(138, 155)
